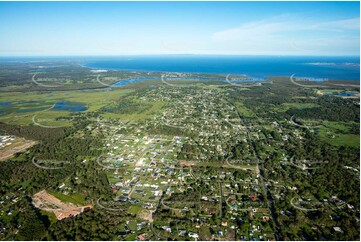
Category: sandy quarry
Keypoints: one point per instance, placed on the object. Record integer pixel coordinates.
(47, 202)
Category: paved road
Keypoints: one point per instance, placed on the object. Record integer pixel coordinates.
(260, 168)
(155, 233)
(303, 209)
(243, 168)
(221, 203)
(160, 202)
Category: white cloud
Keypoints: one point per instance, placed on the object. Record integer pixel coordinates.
(340, 25)
(283, 24)
(285, 34)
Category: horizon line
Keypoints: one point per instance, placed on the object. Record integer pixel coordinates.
(120, 55)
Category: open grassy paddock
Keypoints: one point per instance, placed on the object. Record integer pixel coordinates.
(20, 108)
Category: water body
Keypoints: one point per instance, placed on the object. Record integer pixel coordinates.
(258, 67)
(125, 82)
(8, 107)
(28, 110)
(342, 95)
(5, 104)
(70, 106)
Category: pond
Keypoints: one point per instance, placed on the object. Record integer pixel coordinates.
(29, 106)
(125, 82)
(5, 104)
(345, 94)
(70, 106)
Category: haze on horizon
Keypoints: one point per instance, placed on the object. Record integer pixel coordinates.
(226, 28)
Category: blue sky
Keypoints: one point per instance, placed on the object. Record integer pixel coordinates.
(235, 28)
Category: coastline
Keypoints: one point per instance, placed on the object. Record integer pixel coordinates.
(325, 69)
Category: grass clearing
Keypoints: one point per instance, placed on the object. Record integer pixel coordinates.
(244, 111)
(132, 225)
(156, 106)
(338, 134)
(134, 209)
(285, 106)
(76, 199)
(23, 106)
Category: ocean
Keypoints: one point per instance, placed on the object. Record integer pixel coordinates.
(261, 67)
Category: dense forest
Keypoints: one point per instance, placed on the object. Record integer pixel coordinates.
(331, 109)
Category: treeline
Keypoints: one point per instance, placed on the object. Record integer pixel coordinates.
(20, 179)
(331, 109)
(35, 132)
(331, 178)
(57, 143)
(281, 91)
(27, 223)
(94, 182)
(13, 175)
(69, 149)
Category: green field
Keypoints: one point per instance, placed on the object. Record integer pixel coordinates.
(337, 91)
(338, 134)
(155, 107)
(134, 209)
(244, 111)
(285, 106)
(25, 105)
(76, 199)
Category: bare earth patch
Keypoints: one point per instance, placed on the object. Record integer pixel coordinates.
(47, 202)
(16, 147)
(146, 215)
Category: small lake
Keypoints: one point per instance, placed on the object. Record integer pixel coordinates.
(125, 82)
(25, 106)
(29, 110)
(342, 95)
(5, 104)
(70, 106)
